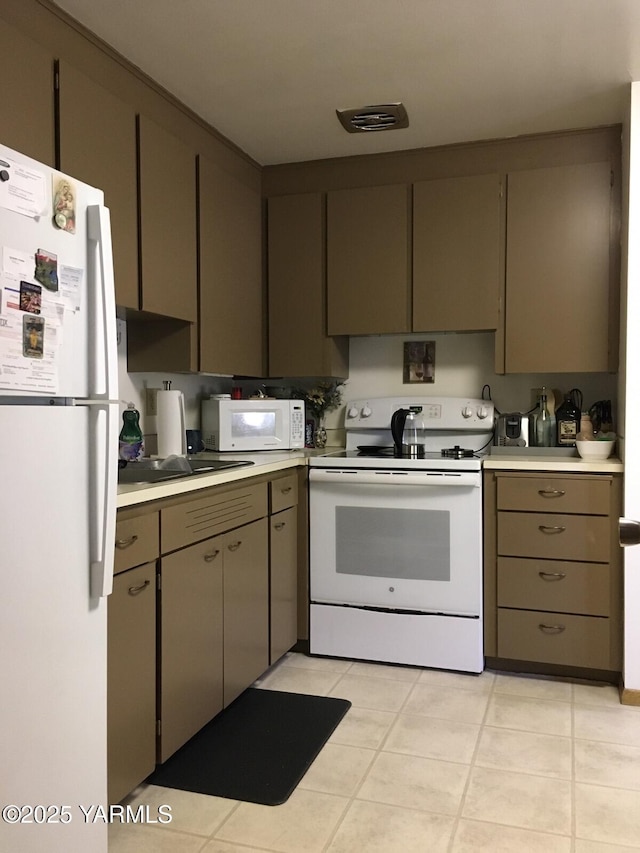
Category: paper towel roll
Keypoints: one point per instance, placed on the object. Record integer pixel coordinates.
(171, 424)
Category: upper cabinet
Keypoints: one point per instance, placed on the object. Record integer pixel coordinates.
(457, 240)
(560, 296)
(98, 146)
(297, 289)
(231, 314)
(368, 260)
(168, 243)
(27, 122)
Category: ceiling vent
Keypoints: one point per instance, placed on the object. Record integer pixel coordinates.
(377, 117)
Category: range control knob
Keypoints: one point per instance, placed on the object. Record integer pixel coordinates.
(366, 412)
(483, 412)
(352, 412)
(467, 412)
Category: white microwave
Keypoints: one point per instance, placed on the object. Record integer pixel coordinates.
(252, 424)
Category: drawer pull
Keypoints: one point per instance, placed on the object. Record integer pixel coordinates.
(551, 493)
(125, 543)
(280, 525)
(134, 590)
(286, 490)
(552, 576)
(543, 528)
(235, 545)
(210, 557)
(551, 629)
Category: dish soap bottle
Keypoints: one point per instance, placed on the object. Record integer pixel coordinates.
(544, 437)
(131, 443)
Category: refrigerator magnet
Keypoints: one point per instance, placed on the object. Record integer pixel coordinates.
(32, 336)
(46, 269)
(64, 205)
(30, 297)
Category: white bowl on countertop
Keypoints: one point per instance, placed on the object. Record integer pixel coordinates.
(597, 450)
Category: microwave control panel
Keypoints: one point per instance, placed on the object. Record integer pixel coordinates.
(297, 426)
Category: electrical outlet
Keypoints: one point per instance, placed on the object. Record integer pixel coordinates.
(151, 402)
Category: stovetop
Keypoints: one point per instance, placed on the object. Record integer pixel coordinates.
(458, 433)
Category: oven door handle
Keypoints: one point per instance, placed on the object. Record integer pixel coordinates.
(367, 477)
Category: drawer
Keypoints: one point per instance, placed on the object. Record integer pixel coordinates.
(283, 492)
(137, 541)
(193, 521)
(554, 638)
(584, 538)
(548, 494)
(563, 586)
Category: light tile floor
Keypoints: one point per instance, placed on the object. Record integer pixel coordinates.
(431, 761)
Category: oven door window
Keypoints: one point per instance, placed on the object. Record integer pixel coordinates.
(381, 542)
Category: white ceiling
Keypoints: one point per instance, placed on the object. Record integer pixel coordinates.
(269, 74)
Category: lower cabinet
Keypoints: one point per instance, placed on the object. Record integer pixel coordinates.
(244, 553)
(553, 586)
(188, 634)
(190, 689)
(131, 680)
(283, 554)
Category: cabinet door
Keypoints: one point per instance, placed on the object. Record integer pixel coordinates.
(283, 582)
(98, 146)
(167, 175)
(191, 642)
(558, 269)
(456, 254)
(297, 289)
(231, 315)
(131, 680)
(27, 96)
(368, 260)
(246, 607)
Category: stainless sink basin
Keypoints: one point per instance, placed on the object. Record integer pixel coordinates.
(172, 468)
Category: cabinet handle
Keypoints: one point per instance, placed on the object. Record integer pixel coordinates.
(551, 629)
(210, 557)
(552, 576)
(235, 545)
(280, 525)
(286, 490)
(551, 493)
(134, 590)
(125, 543)
(544, 529)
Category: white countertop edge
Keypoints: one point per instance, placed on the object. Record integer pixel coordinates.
(132, 495)
(572, 465)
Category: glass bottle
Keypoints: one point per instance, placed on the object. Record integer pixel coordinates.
(544, 437)
(567, 423)
(131, 443)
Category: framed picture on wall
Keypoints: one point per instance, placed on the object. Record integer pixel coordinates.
(419, 362)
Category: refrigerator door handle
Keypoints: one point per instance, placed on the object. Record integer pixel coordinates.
(104, 383)
(104, 479)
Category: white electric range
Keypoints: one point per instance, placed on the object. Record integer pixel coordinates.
(396, 542)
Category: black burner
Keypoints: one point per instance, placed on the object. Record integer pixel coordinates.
(457, 452)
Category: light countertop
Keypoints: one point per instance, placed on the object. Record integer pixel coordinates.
(548, 459)
(263, 463)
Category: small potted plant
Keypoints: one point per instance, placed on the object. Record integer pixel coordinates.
(322, 398)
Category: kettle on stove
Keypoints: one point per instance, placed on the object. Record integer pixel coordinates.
(407, 429)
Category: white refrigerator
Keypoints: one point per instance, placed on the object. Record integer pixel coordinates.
(58, 463)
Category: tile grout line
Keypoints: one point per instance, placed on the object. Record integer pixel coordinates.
(458, 816)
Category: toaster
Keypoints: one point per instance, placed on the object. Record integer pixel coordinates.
(513, 430)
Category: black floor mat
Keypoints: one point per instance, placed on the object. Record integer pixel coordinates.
(257, 749)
